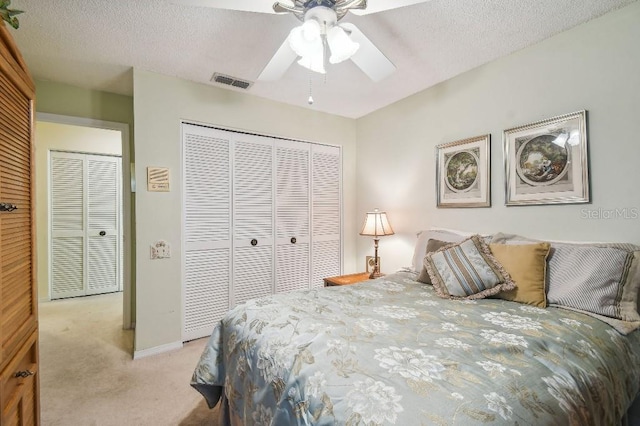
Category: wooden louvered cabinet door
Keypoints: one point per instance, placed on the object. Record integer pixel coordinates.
(18, 309)
(19, 386)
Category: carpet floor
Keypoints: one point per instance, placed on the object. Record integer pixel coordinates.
(88, 376)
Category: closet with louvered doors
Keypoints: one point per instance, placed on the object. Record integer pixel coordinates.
(86, 224)
(248, 220)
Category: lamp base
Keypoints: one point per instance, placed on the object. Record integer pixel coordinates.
(375, 274)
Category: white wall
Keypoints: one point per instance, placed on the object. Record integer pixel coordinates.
(69, 138)
(595, 66)
(160, 102)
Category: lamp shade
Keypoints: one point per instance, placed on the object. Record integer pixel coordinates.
(306, 42)
(313, 62)
(376, 224)
(342, 47)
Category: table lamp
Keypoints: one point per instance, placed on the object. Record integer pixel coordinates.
(377, 225)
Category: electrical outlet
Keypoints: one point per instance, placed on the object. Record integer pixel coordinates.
(160, 250)
(371, 263)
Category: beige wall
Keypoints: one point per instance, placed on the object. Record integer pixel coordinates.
(69, 138)
(594, 66)
(160, 102)
(62, 99)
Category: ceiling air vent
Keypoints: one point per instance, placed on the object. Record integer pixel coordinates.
(230, 81)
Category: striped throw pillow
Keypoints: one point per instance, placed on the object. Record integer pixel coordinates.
(597, 279)
(591, 279)
(467, 270)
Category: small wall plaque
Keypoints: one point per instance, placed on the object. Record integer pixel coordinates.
(158, 179)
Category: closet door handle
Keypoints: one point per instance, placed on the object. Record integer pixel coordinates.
(293, 240)
(7, 207)
(254, 242)
(102, 233)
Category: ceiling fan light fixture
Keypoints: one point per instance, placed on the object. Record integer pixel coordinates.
(341, 45)
(311, 30)
(313, 62)
(301, 45)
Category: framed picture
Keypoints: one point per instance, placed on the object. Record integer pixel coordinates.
(546, 162)
(463, 173)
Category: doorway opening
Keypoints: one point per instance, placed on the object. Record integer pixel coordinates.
(88, 142)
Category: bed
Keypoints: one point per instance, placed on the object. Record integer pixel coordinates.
(392, 351)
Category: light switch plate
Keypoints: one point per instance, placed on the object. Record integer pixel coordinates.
(160, 250)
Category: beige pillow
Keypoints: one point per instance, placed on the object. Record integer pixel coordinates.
(432, 246)
(420, 248)
(527, 265)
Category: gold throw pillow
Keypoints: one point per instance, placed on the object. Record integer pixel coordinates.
(527, 265)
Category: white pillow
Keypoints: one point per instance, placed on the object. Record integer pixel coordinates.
(448, 235)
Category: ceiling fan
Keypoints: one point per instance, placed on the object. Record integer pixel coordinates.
(321, 39)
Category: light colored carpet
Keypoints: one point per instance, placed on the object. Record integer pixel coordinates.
(88, 377)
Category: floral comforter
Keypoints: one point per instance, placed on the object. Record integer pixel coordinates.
(390, 351)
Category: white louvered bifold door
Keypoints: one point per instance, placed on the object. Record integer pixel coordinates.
(67, 218)
(103, 224)
(292, 215)
(326, 213)
(252, 217)
(86, 225)
(207, 228)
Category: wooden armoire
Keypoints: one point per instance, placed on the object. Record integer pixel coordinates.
(19, 380)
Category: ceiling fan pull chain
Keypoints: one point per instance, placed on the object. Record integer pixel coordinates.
(310, 90)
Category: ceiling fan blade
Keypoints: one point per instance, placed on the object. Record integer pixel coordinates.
(279, 63)
(242, 5)
(375, 6)
(368, 57)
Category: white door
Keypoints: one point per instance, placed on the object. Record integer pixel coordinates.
(253, 252)
(67, 240)
(86, 224)
(104, 235)
(292, 215)
(207, 228)
(326, 213)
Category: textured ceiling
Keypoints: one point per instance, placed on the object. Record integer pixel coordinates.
(95, 44)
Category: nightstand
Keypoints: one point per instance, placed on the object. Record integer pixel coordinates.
(346, 279)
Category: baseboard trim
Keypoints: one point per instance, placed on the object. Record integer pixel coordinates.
(156, 350)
